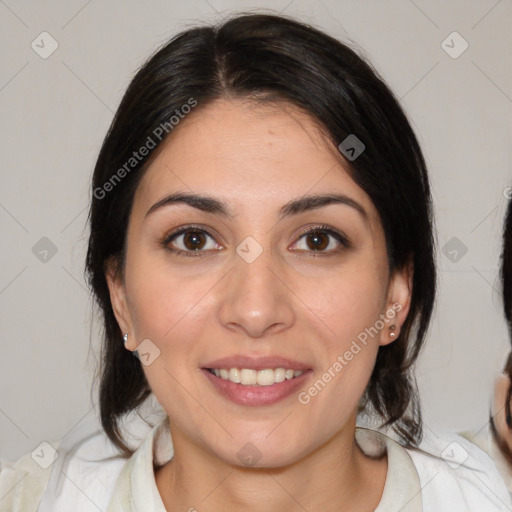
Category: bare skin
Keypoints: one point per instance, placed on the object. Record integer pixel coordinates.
(501, 387)
(299, 299)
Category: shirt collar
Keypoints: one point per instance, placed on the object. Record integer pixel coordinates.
(136, 489)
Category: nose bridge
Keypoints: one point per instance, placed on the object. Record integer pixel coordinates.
(255, 299)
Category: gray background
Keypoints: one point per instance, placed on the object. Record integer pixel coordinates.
(56, 111)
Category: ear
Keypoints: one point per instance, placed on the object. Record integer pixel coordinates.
(117, 291)
(398, 301)
(499, 408)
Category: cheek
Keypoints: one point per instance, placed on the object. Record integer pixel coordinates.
(159, 298)
(169, 310)
(351, 302)
(350, 306)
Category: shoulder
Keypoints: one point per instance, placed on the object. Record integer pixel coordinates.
(23, 483)
(457, 474)
(79, 472)
(484, 439)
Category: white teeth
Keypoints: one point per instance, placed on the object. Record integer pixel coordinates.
(265, 377)
(279, 374)
(249, 377)
(234, 375)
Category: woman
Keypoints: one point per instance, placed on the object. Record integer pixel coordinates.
(496, 437)
(261, 240)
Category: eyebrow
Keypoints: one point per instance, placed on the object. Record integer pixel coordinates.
(211, 205)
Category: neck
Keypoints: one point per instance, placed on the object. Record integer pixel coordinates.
(336, 473)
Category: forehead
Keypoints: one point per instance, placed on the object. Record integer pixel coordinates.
(248, 153)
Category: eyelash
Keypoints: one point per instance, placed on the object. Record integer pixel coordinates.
(315, 229)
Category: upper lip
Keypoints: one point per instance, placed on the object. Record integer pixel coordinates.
(257, 363)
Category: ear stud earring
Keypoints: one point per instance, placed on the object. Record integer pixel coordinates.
(392, 328)
(125, 339)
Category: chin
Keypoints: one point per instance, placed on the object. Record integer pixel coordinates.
(257, 452)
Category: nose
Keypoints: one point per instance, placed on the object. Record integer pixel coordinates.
(255, 297)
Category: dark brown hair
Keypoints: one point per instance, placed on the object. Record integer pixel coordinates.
(506, 291)
(506, 268)
(272, 59)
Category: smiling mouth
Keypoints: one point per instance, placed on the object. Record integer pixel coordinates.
(250, 377)
(263, 386)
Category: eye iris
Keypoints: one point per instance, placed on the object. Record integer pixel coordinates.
(317, 241)
(195, 237)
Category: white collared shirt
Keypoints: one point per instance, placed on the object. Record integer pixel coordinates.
(93, 477)
(484, 439)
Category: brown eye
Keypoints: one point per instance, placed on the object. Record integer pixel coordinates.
(323, 240)
(317, 241)
(190, 241)
(194, 240)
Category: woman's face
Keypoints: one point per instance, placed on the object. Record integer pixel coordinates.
(252, 289)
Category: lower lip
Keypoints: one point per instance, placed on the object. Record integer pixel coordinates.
(256, 395)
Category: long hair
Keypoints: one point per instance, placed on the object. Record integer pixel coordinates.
(506, 292)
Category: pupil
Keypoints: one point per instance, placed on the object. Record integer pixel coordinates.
(317, 244)
(195, 238)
